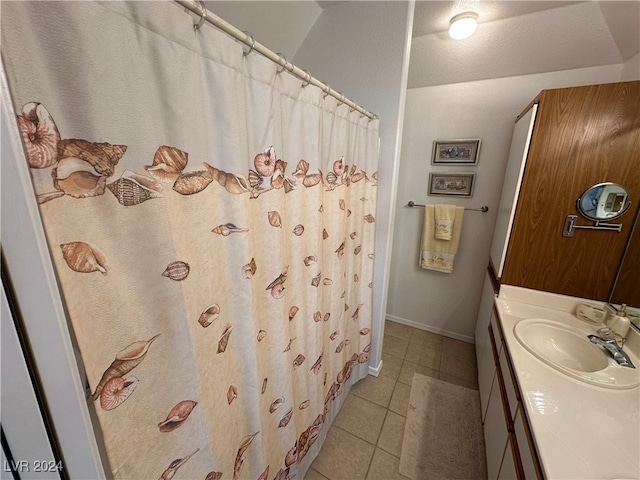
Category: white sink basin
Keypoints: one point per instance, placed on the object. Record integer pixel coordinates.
(569, 351)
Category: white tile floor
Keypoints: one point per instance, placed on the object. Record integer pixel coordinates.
(365, 440)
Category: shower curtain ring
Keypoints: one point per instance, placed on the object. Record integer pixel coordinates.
(253, 43)
(284, 66)
(308, 81)
(327, 90)
(203, 15)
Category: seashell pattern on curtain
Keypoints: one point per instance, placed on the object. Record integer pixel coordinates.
(212, 227)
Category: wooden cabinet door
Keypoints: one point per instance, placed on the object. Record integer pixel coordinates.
(582, 136)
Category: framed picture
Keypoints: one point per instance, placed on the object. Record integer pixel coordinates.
(459, 184)
(455, 152)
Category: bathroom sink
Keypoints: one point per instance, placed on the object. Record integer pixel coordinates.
(569, 351)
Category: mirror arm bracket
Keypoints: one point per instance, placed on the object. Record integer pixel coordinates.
(570, 226)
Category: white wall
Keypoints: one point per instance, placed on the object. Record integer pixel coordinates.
(631, 69)
(485, 109)
(362, 50)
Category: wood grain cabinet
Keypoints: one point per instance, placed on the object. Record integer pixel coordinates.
(578, 137)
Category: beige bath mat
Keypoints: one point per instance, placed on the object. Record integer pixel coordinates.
(443, 436)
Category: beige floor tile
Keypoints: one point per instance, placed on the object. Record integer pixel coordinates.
(459, 348)
(391, 366)
(392, 434)
(384, 466)
(425, 355)
(471, 383)
(361, 418)
(400, 399)
(398, 330)
(343, 456)
(314, 475)
(422, 337)
(394, 346)
(375, 389)
(409, 368)
(459, 367)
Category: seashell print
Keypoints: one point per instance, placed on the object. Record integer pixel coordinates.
(339, 167)
(369, 218)
(284, 421)
(344, 293)
(365, 331)
(340, 347)
(177, 271)
(315, 281)
(264, 386)
(292, 456)
(347, 342)
(277, 180)
(84, 257)
(224, 338)
(356, 314)
(249, 270)
(332, 393)
(312, 179)
(213, 476)
(244, 444)
(256, 192)
(304, 404)
(255, 180)
(370, 256)
(261, 335)
(126, 360)
(299, 360)
(375, 176)
(326, 317)
(334, 335)
(289, 184)
(116, 391)
(298, 230)
(289, 344)
(264, 475)
(77, 178)
(235, 184)
(281, 278)
(367, 348)
(317, 316)
(363, 199)
(232, 393)
(370, 285)
(357, 250)
(133, 189)
(283, 474)
(327, 281)
(363, 357)
(173, 467)
(356, 278)
(310, 260)
(356, 177)
(45, 197)
(103, 157)
(326, 374)
(227, 229)
(332, 180)
(177, 415)
(292, 312)
(265, 162)
(341, 204)
(277, 291)
(325, 234)
(340, 250)
(321, 208)
(276, 404)
(317, 366)
(168, 163)
(275, 220)
(192, 182)
(211, 313)
(40, 135)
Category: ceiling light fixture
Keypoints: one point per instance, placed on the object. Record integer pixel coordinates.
(463, 25)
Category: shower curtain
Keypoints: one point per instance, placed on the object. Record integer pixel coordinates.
(211, 224)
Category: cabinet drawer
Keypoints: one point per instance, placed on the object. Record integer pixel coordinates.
(527, 450)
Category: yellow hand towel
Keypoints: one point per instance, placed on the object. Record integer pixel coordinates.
(436, 254)
(444, 216)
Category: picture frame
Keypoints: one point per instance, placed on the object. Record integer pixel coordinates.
(455, 184)
(455, 152)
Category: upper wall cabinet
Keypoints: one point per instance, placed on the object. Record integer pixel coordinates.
(582, 136)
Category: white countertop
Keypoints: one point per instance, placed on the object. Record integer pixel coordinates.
(581, 431)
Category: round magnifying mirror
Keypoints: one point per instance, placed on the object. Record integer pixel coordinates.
(604, 201)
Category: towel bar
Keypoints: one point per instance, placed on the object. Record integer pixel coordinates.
(483, 209)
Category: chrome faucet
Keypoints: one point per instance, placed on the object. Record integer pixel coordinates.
(612, 347)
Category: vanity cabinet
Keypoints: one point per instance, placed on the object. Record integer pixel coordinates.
(510, 448)
(566, 141)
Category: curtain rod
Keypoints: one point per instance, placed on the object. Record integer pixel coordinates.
(207, 15)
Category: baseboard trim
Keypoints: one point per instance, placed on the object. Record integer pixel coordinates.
(375, 371)
(428, 328)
